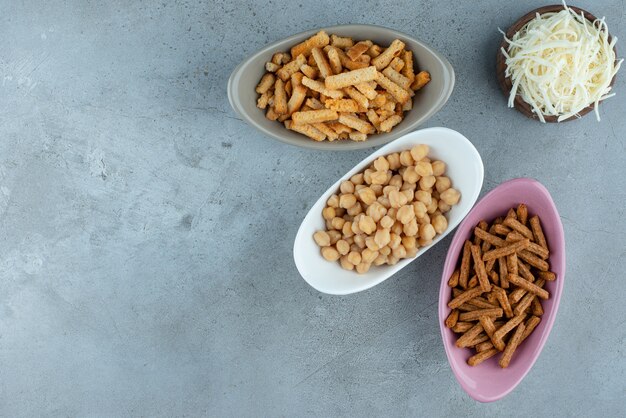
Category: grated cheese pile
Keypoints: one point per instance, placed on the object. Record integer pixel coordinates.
(561, 63)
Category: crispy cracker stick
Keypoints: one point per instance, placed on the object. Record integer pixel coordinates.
(388, 124)
(296, 99)
(309, 71)
(319, 40)
(511, 214)
(506, 250)
(378, 101)
(537, 309)
(349, 64)
(486, 246)
(288, 88)
(531, 324)
(421, 79)
(367, 90)
(503, 300)
(464, 297)
(358, 49)
(453, 281)
(341, 42)
(487, 345)
(504, 272)
(524, 271)
(313, 103)
(453, 318)
(271, 114)
(506, 328)
(462, 327)
(296, 79)
(522, 214)
(373, 117)
(511, 263)
(478, 358)
(512, 346)
(547, 275)
(271, 67)
(277, 58)
(350, 78)
(491, 297)
(481, 225)
(479, 267)
(501, 229)
(313, 116)
(266, 83)
(383, 60)
(374, 51)
(532, 247)
(322, 63)
(467, 338)
(488, 326)
(357, 97)
(524, 303)
(396, 64)
(472, 282)
(491, 239)
(261, 103)
(540, 239)
(530, 287)
(466, 307)
(481, 302)
(291, 68)
(321, 88)
(407, 70)
(407, 106)
(356, 123)
(322, 127)
(342, 105)
(334, 61)
(516, 295)
(398, 93)
(533, 260)
(340, 128)
(357, 136)
(465, 264)
(474, 315)
(397, 78)
(480, 338)
(493, 276)
(305, 129)
(519, 227)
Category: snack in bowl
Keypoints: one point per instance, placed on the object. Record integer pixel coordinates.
(499, 306)
(558, 63)
(388, 211)
(331, 87)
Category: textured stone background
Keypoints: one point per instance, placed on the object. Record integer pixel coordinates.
(146, 231)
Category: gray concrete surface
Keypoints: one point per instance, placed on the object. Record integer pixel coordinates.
(146, 231)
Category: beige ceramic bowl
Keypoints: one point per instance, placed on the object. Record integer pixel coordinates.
(427, 101)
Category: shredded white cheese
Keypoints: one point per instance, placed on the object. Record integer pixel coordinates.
(560, 63)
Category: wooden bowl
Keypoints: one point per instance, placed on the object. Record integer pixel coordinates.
(505, 82)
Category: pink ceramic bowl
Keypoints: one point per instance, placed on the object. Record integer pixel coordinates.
(487, 382)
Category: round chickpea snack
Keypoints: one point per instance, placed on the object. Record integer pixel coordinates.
(387, 212)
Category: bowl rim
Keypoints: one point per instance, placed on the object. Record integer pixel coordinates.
(448, 76)
(505, 82)
(549, 323)
(359, 166)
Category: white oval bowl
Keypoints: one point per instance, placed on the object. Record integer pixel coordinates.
(465, 169)
(427, 101)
